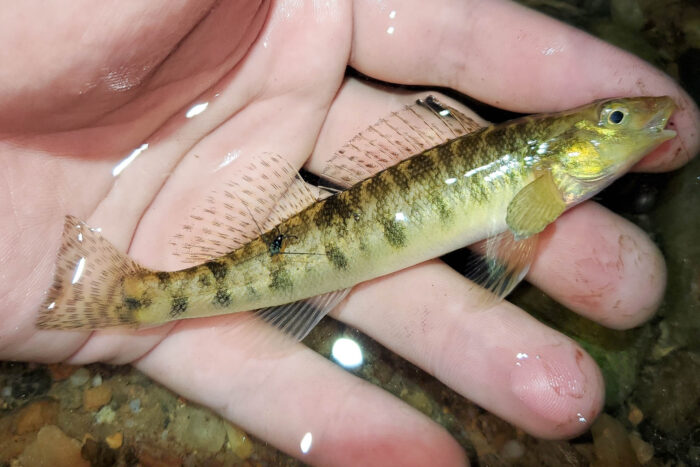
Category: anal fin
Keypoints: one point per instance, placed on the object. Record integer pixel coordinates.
(297, 319)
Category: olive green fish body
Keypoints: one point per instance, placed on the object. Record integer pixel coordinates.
(446, 197)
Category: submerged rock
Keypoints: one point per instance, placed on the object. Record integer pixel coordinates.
(197, 429)
(53, 447)
(669, 394)
(239, 441)
(80, 377)
(96, 397)
(114, 441)
(98, 453)
(105, 415)
(611, 443)
(35, 415)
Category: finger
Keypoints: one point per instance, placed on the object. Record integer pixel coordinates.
(530, 400)
(282, 399)
(511, 57)
(600, 265)
(501, 358)
(275, 104)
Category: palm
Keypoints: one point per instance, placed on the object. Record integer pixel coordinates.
(273, 82)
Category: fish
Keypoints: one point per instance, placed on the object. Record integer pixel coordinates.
(505, 183)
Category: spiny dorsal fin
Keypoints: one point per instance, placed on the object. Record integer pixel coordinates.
(267, 191)
(409, 131)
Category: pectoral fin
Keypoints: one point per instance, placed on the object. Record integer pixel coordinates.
(535, 207)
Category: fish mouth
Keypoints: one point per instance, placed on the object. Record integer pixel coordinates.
(661, 109)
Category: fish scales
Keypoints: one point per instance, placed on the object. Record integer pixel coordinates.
(517, 176)
(405, 214)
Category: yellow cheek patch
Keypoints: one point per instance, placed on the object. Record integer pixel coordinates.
(583, 161)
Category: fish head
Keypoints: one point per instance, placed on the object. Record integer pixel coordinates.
(605, 139)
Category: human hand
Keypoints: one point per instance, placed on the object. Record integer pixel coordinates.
(84, 85)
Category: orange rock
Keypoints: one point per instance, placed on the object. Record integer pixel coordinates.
(53, 447)
(115, 441)
(61, 371)
(12, 446)
(635, 415)
(95, 398)
(36, 415)
(148, 459)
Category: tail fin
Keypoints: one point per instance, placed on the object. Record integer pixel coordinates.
(87, 288)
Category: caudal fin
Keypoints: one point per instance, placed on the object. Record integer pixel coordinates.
(87, 287)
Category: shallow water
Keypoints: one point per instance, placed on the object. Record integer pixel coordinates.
(652, 373)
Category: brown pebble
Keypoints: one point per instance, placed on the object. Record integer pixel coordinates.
(611, 442)
(635, 415)
(239, 441)
(95, 398)
(53, 447)
(643, 450)
(34, 416)
(115, 441)
(61, 371)
(148, 459)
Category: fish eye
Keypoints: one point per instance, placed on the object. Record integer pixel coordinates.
(616, 116)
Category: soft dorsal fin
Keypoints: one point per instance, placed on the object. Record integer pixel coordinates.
(409, 131)
(268, 192)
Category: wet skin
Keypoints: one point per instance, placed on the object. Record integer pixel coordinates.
(78, 96)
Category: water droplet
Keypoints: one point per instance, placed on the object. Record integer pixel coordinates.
(197, 109)
(230, 157)
(78, 270)
(305, 444)
(119, 168)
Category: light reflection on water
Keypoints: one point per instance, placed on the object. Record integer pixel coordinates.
(119, 168)
(196, 109)
(305, 444)
(347, 353)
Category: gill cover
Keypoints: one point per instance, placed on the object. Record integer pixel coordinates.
(605, 140)
(588, 148)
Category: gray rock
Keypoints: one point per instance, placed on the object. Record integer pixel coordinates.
(80, 377)
(198, 429)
